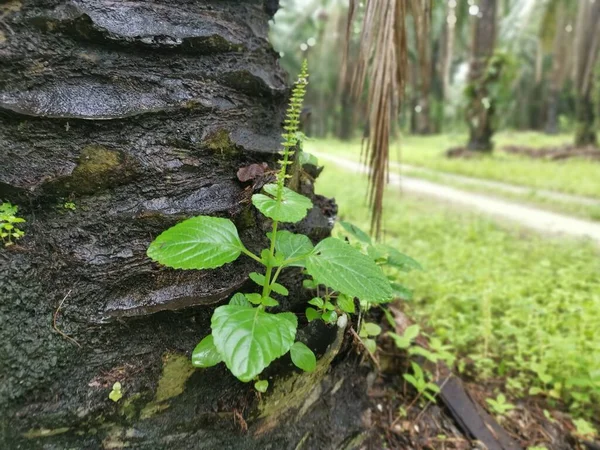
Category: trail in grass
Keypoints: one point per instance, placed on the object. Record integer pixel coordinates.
(530, 217)
(498, 185)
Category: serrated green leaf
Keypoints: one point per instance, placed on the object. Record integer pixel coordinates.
(269, 301)
(261, 386)
(292, 246)
(279, 289)
(292, 208)
(356, 232)
(240, 300)
(338, 265)
(206, 354)
(346, 303)
(316, 301)
(198, 243)
(312, 314)
(250, 339)
(255, 299)
(303, 357)
(257, 278)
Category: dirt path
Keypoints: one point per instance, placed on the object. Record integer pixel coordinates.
(498, 185)
(530, 217)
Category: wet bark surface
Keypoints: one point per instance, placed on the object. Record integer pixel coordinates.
(140, 114)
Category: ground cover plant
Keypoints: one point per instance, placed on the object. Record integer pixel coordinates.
(512, 306)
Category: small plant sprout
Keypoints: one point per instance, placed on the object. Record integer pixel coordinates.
(369, 331)
(8, 218)
(245, 334)
(70, 206)
(419, 381)
(499, 405)
(116, 394)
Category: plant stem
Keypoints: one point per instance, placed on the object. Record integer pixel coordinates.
(267, 285)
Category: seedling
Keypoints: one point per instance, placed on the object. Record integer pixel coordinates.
(8, 218)
(500, 405)
(246, 335)
(116, 394)
(418, 380)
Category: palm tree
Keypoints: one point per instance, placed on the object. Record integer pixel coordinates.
(139, 114)
(481, 105)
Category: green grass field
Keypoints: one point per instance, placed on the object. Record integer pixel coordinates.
(573, 176)
(523, 308)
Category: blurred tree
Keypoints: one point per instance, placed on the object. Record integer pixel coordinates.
(586, 51)
(483, 70)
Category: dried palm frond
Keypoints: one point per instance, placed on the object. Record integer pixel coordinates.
(381, 66)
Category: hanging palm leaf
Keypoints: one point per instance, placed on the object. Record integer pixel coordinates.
(381, 68)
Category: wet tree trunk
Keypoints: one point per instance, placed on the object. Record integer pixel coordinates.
(141, 114)
(480, 108)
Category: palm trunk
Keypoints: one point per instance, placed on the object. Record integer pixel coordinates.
(140, 114)
(480, 110)
(422, 26)
(585, 133)
(586, 51)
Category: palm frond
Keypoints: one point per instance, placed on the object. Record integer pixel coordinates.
(380, 67)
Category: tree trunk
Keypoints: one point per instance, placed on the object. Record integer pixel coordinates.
(561, 64)
(585, 131)
(421, 13)
(480, 108)
(141, 114)
(586, 51)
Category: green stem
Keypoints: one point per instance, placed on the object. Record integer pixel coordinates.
(247, 252)
(267, 286)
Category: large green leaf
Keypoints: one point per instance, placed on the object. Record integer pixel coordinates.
(292, 246)
(205, 354)
(340, 266)
(292, 208)
(250, 339)
(198, 243)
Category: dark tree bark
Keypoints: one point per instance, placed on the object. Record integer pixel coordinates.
(141, 114)
(480, 108)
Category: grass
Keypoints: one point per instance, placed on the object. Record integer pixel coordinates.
(513, 305)
(573, 176)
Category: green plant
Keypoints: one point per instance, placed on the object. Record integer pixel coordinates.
(585, 429)
(8, 218)
(116, 393)
(419, 381)
(70, 206)
(246, 335)
(499, 405)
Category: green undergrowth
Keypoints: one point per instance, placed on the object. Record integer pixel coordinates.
(572, 176)
(513, 305)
